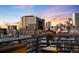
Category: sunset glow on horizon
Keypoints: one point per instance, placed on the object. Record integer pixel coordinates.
(55, 21)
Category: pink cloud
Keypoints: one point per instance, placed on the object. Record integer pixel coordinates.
(56, 12)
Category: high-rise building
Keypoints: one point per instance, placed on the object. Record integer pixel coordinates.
(12, 29)
(48, 25)
(75, 19)
(3, 31)
(32, 22)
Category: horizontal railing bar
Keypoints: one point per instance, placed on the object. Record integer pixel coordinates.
(19, 39)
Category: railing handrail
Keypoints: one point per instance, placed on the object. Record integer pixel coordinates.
(18, 39)
(6, 49)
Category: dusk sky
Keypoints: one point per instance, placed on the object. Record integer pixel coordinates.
(12, 13)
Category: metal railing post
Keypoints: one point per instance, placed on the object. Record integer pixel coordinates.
(37, 44)
(19, 41)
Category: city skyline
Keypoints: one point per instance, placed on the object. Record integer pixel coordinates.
(55, 13)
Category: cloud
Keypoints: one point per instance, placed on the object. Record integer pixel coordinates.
(58, 14)
(23, 6)
(58, 11)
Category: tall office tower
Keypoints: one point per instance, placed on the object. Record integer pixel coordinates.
(75, 19)
(48, 24)
(32, 22)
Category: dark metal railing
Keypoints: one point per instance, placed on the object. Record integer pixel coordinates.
(31, 44)
(66, 43)
(34, 44)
